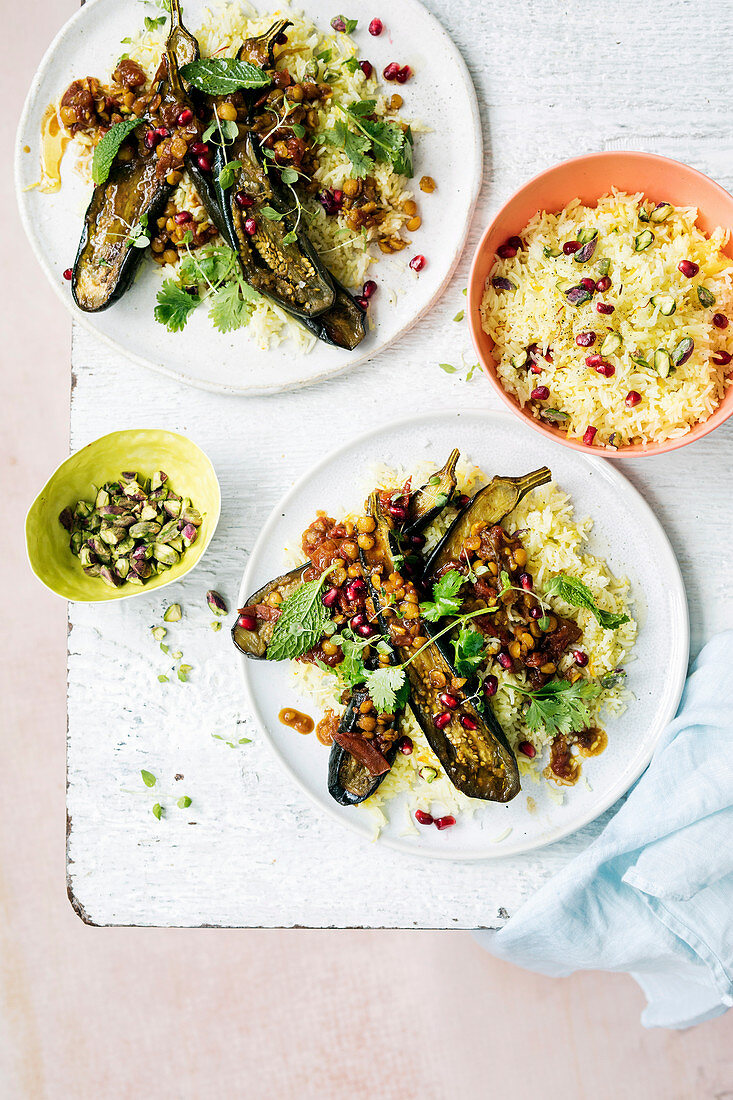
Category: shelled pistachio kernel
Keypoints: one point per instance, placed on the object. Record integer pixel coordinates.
(173, 613)
(216, 603)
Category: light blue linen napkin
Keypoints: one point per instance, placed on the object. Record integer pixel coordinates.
(653, 894)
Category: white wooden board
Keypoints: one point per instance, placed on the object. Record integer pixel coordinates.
(251, 850)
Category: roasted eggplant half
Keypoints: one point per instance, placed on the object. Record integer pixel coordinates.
(490, 505)
(427, 502)
(133, 195)
(254, 642)
(356, 766)
(470, 745)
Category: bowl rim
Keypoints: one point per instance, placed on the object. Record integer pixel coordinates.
(142, 590)
(649, 450)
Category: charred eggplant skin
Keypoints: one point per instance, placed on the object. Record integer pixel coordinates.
(427, 502)
(253, 643)
(478, 762)
(131, 196)
(349, 782)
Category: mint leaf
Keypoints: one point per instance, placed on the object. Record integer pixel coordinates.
(446, 600)
(227, 172)
(574, 592)
(219, 76)
(174, 306)
(302, 622)
(108, 147)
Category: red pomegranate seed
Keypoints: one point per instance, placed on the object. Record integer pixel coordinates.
(468, 723)
(515, 243)
(357, 621)
(369, 288)
(526, 582)
(366, 68)
(250, 226)
(185, 117)
(362, 302)
(442, 720)
(406, 746)
(540, 393)
(504, 660)
(162, 132)
(417, 263)
(247, 622)
(603, 284)
(356, 587)
(365, 630)
(604, 307)
(328, 599)
(404, 74)
(632, 398)
(448, 700)
(535, 612)
(720, 320)
(570, 247)
(585, 339)
(243, 200)
(589, 435)
(580, 658)
(506, 251)
(199, 147)
(204, 163)
(491, 686)
(151, 139)
(390, 71)
(68, 274)
(376, 27)
(281, 40)
(588, 284)
(721, 358)
(593, 361)
(527, 748)
(422, 818)
(606, 369)
(688, 268)
(445, 822)
(182, 217)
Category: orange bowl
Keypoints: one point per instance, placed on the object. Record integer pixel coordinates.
(588, 178)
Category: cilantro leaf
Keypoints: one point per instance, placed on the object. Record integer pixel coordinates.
(302, 622)
(354, 145)
(386, 686)
(108, 147)
(232, 305)
(392, 144)
(561, 707)
(221, 75)
(469, 651)
(174, 306)
(446, 600)
(574, 592)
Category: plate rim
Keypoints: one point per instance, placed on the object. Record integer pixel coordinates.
(85, 320)
(680, 654)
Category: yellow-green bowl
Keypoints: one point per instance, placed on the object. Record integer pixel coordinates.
(145, 450)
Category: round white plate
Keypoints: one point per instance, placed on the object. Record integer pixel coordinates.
(626, 533)
(440, 94)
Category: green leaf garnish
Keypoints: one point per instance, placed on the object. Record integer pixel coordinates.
(222, 75)
(183, 802)
(385, 686)
(148, 778)
(108, 147)
(354, 145)
(174, 306)
(574, 592)
(446, 600)
(302, 622)
(559, 706)
(469, 650)
(232, 305)
(227, 172)
(158, 810)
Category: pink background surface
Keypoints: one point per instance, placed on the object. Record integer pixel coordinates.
(116, 1012)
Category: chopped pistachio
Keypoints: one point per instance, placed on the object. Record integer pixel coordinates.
(163, 678)
(158, 632)
(176, 655)
(173, 613)
(216, 603)
(164, 554)
(215, 625)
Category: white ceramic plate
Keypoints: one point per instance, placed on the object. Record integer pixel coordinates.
(626, 533)
(440, 94)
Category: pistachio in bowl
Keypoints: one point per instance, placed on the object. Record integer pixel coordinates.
(130, 512)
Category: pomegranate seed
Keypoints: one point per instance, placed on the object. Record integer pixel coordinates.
(505, 661)
(376, 27)
(390, 71)
(328, 201)
(247, 622)
(397, 511)
(366, 68)
(404, 74)
(182, 217)
(506, 251)
(527, 748)
(580, 658)
(515, 243)
(535, 613)
(162, 132)
(468, 723)
(338, 197)
(362, 302)
(606, 369)
(422, 818)
(526, 582)
(688, 268)
(462, 500)
(355, 587)
(281, 39)
(721, 358)
(199, 147)
(604, 307)
(589, 435)
(406, 746)
(570, 247)
(151, 139)
(357, 621)
(588, 284)
(585, 339)
(243, 200)
(369, 288)
(448, 700)
(445, 822)
(442, 720)
(185, 117)
(204, 163)
(632, 398)
(593, 361)
(417, 540)
(541, 393)
(603, 284)
(417, 263)
(491, 686)
(720, 320)
(365, 630)
(68, 274)
(328, 599)
(250, 227)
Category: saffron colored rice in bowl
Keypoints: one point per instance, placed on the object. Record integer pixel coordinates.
(555, 541)
(663, 323)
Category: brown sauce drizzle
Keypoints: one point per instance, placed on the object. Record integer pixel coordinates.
(565, 768)
(327, 728)
(296, 720)
(592, 741)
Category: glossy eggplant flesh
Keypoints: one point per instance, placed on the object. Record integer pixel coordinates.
(260, 51)
(470, 745)
(344, 325)
(489, 506)
(357, 766)
(427, 502)
(254, 643)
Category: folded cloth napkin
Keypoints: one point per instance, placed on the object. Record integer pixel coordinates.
(653, 894)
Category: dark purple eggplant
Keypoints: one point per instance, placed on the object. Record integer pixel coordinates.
(350, 781)
(253, 643)
(427, 502)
